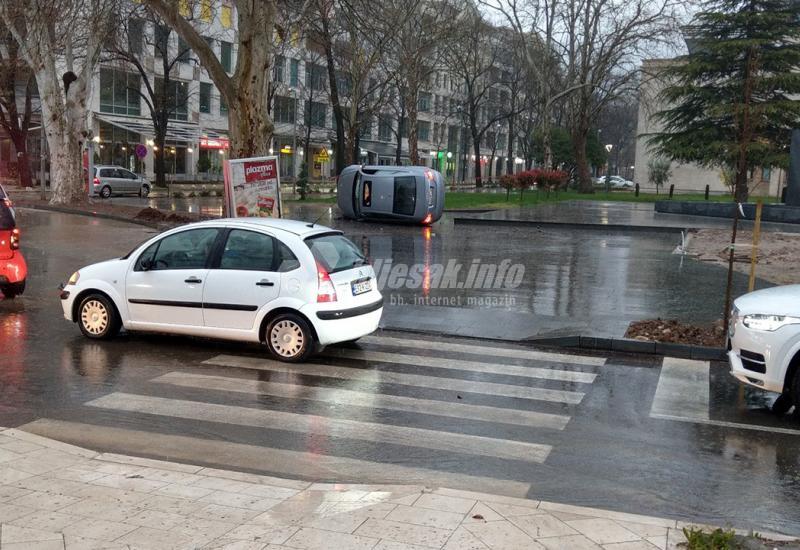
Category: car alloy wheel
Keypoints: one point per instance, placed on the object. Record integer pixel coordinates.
(144, 191)
(94, 317)
(98, 317)
(105, 192)
(287, 338)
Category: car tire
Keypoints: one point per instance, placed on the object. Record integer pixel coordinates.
(98, 317)
(144, 191)
(105, 192)
(289, 338)
(795, 393)
(12, 290)
(782, 404)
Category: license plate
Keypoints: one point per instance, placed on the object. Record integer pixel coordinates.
(361, 286)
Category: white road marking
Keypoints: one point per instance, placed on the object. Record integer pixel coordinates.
(456, 409)
(515, 353)
(460, 364)
(682, 389)
(723, 423)
(383, 377)
(325, 426)
(304, 465)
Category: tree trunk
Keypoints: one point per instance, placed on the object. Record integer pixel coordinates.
(579, 139)
(159, 164)
(547, 143)
(510, 150)
(398, 152)
(413, 132)
(476, 146)
(19, 138)
(64, 125)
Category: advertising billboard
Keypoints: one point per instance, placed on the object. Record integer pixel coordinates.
(252, 187)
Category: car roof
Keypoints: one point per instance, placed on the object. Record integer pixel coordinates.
(302, 229)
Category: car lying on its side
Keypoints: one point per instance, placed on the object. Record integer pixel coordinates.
(764, 343)
(13, 269)
(292, 285)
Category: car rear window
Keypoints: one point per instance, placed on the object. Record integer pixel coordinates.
(6, 219)
(335, 252)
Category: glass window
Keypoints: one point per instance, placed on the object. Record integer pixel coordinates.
(223, 105)
(316, 114)
(185, 250)
(423, 130)
(205, 97)
(405, 195)
(766, 173)
(367, 198)
(226, 16)
(424, 103)
(278, 68)
(119, 92)
(226, 55)
(315, 76)
(283, 110)
(108, 173)
(177, 98)
(248, 250)
(184, 51)
(365, 130)
(335, 252)
(205, 10)
(287, 261)
(135, 32)
(145, 260)
(162, 40)
(6, 218)
(384, 128)
(294, 72)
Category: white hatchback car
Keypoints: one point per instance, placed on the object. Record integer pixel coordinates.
(764, 342)
(293, 285)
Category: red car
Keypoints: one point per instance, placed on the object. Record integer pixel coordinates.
(13, 269)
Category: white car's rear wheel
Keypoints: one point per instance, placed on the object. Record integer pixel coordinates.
(98, 318)
(289, 338)
(782, 404)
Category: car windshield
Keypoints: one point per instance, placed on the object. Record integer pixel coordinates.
(6, 219)
(335, 252)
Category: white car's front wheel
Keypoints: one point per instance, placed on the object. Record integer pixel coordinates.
(289, 338)
(98, 317)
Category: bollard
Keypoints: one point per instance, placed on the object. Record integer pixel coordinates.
(707, 191)
(637, 190)
(671, 190)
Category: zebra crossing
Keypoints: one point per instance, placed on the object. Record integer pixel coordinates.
(391, 409)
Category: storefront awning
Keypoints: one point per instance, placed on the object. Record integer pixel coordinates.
(175, 130)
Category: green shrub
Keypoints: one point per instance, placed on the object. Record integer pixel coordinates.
(717, 539)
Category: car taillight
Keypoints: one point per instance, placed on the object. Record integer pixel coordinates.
(96, 181)
(427, 219)
(325, 289)
(14, 239)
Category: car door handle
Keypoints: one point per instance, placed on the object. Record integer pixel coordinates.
(264, 282)
(193, 280)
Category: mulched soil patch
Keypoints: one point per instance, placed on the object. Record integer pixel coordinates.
(671, 331)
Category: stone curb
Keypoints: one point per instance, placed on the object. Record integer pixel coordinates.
(593, 343)
(569, 225)
(76, 212)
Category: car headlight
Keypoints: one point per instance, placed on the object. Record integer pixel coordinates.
(768, 322)
(73, 279)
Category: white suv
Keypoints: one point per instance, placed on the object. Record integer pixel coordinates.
(764, 342)
(293, 285)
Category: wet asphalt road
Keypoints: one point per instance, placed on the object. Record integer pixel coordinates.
(356, 416)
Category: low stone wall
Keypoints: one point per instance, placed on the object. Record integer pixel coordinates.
(779, 213)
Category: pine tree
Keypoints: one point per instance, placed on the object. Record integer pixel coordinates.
(732, 100)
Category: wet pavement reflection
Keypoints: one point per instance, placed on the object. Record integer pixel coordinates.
(611, 454)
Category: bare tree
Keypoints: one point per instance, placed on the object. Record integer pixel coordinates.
(14, 73)
(247, 90)
(61, 42)
(474, 59)
(358, 80)
(140, 32)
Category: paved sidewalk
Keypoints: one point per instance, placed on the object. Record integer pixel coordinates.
(57, 496)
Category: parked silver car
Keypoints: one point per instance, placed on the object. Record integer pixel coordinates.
(116, 180)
